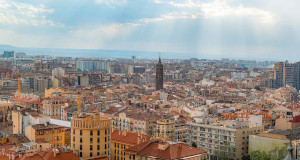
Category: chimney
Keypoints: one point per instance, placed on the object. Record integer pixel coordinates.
(138, 138)
(112, 129)
(55, 152)
(13, 156)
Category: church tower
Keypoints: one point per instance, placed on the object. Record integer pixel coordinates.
(159, 75)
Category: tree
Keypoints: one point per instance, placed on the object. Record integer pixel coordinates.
(246, 157)
(275, 154)
(194, 145)
(257, 88)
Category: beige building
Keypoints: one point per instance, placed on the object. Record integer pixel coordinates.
(5, 111)
(287, 123)
(275, 140)
(231, 137)
(51, 133)
(165, 128)
(90, 136)
(25, 117)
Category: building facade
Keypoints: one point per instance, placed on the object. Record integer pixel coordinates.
(231, 138)
(90, 136)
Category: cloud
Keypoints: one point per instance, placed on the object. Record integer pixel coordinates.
(14, 13)
(218, 8)
(111, 2)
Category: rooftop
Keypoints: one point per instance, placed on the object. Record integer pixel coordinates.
(165, 150)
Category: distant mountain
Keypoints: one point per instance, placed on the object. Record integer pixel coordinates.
(95, 53)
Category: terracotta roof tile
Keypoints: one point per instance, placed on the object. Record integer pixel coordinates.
(127, 137)
(172, 151)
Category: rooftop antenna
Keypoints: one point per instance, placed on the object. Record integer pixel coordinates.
(290, 148)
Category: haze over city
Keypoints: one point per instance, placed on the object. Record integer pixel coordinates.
(256, 29)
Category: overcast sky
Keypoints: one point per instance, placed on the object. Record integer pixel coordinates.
(227, 28)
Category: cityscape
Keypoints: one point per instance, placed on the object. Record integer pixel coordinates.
(149, 80)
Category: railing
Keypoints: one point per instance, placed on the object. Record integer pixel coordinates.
(90, 124)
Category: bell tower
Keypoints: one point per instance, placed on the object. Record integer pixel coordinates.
(159, 75)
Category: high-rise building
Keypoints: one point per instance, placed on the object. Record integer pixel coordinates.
(159, 75)
(8, 54)
(91, 136)
(287, 74)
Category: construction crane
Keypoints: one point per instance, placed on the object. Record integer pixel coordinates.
(79, 99)
(19, 87)
(78, 103)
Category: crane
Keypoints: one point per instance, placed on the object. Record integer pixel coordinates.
(79, 99)
(19, 87)
(78, 103)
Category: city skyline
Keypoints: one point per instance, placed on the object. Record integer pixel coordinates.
(219, 28)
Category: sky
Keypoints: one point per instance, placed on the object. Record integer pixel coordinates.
(256, 29)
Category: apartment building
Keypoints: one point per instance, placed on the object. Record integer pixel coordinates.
(25, 117)
(51, 133)
(90, 136)
(121, 140)
(52, 107)
(287, 74)
(231, 137)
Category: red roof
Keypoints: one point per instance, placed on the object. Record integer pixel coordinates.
(171, 151)
(127, 137)
(27, 100)
(295, 119)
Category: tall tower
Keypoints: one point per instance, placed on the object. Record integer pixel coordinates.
(159, 75)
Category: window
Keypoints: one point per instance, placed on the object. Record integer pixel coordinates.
(73, 131)
(91, 154)
(98, 147)
(80, 140)
(81, 132)
(80, 154)
(98, 140)
(91, 133)
(91, 147)
(105, 139)
(80, 147)
(98, 153)
(98, 133)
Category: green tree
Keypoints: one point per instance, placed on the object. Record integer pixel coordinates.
(257, 88)
(275, 154)
(246, 157)
(194, 145)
